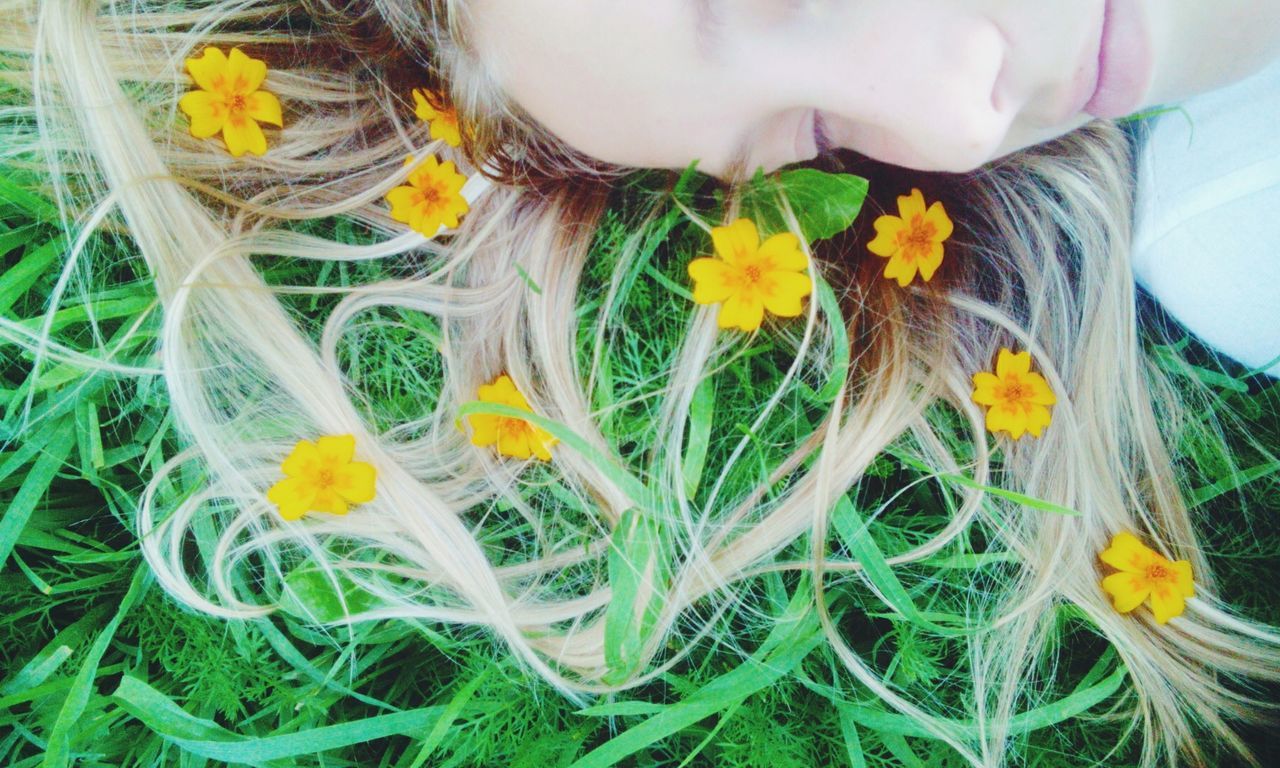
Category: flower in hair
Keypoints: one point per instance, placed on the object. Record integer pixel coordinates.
(1146, 576)
(321, 477)
(514, 437)
(1018, 400)
(444, 122)
(912, 240)
(432, 199)
(229, 101)
(750, 277)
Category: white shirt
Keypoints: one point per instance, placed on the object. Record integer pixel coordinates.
(1207, 223)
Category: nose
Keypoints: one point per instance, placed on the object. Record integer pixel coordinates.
(921, 90)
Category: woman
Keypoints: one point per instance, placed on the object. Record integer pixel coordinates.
(554, 101)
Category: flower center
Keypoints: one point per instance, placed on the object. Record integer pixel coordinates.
(916, 238)
(1016, 391)
(236, 103)
(324, 478)
(753, 273)
(1157, 572)
(510, 426)
(430, 196)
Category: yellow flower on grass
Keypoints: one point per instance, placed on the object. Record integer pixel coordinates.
(1146, 576)
(912, 240)
(443, 122)
(514, 437)
(322, 477)
(1018, 400)
(229, 101)
(750, 277)
(432, 199)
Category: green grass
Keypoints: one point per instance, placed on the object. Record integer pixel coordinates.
(102, 669)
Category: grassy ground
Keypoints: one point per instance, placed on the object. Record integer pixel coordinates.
(100, 668)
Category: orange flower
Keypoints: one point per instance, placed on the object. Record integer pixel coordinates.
(913, 239)
(1018, 398)
(432, 199)
(229, 100)
(443, 122)
(1146, 576)
(750, 277)
(321, 477)
(514, 437)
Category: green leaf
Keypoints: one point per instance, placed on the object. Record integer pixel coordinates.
(58, 752)
(701, 413)
(208, 739)
(60, 439)
(311, 594)
(795, 634)
(825, 204)
(639, 568)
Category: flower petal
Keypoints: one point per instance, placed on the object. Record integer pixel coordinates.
(422, 106)
(900, 269)
(1004, 418)
(937, 216)
(930, 262)
(209, 70)
(356, 482)
(484, 429)
(1041, 394)
(303, 461)
(244, 74)
(336, 449)
(783, 252)
(263, 106)
(911, 206)
(984, 388)
(712, 280)
(1166, 602)
(294, 496)
(207, 112)
(789, 290)
(1128, 589)
(329, 501)
(1038, 417)
(741, 312)
(1009, 363)
(736, 242)
(886, 240)
(1182, 578)
(243, 135)
(514, 443)
(1127, 553)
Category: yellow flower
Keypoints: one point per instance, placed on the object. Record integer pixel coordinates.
(913, 239)
(749, 277)
(1018, 398)
(514, 437)
(1146, 575)
(321, 477)
(443, 122)
(229, 100)
(432, 199)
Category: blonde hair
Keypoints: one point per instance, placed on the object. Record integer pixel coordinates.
(1044, 266)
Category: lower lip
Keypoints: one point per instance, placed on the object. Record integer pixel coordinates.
(1124, 61)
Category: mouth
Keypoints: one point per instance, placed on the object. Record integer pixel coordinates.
(1124, 61)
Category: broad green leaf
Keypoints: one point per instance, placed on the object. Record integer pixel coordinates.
(312, 595)
(825, 204)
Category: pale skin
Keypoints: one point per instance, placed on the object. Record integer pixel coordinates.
(939, 85)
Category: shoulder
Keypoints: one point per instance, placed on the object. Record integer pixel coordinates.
(1208, 199)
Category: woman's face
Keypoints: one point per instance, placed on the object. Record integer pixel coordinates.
(939, 85)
